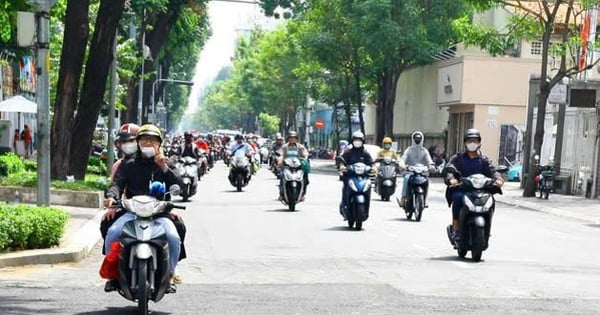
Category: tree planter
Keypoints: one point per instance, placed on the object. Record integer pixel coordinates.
(70, 198)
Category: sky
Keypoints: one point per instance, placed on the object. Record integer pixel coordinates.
(226, 20)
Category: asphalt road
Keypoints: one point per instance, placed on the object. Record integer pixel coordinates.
(248, 255)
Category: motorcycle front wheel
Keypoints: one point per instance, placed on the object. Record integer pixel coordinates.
(143, 287)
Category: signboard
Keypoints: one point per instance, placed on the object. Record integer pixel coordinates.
(558, 94)
(582, 98)
(319, 123)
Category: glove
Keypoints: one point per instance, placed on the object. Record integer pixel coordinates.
(343, 168)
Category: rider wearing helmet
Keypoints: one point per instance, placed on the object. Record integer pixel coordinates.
(135, 174)
(415, 154)
(355, 154)
(467, 163)
(387, 149)
(289, 150)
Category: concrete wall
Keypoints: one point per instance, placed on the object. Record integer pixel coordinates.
(490, 118)
(497, 81)
(416, 105)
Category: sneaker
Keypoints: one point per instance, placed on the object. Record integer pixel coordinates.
(111, 285)
(172, 288)
(177, 279)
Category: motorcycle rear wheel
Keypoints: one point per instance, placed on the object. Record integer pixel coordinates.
(419, 207)
(143, 287)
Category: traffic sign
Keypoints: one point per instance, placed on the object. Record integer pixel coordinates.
(319, 123)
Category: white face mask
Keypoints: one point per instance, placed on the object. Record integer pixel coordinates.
(357, 143)
(148, 152)
(129, 148)
(472, 146)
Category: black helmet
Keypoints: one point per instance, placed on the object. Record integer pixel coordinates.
(238, 136)
(472, 133)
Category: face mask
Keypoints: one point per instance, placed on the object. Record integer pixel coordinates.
(387, 146)
(417, 141)
(357, 143)
(129, 148)
(472, 146)
(148, 152)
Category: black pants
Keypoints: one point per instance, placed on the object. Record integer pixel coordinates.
(179, 225)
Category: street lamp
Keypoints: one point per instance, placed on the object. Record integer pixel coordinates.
(181, 82)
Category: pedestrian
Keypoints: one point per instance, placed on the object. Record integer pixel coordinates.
(27, 138)
(16, 138)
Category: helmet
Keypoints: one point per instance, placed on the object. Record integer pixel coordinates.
(387, 140)
(238, 137)
(472, 133)
(279, 137)
(127, 132)
(292, 134)
(149, 130)
(358, 135)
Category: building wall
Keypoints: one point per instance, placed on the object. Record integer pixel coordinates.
(416, 106)
(489, 120)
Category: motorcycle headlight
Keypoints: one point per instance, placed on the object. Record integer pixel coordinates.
(352, 185)
(468, 203)
(479, 182)
(142, 206)
(488, 204)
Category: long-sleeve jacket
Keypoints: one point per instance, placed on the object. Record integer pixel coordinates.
(136, 175)
(468, 166)
(416, 153)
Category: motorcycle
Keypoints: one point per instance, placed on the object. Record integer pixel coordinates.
(475, 216)
(264, 155)
(356, 210)
(274, 163)
(545, 181)
(144, 257)
(239, 172)
(293, 182)
(187, 169)
(385, 182)
(418, 183)
(203, 163)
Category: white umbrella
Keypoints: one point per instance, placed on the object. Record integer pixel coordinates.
(18, 104)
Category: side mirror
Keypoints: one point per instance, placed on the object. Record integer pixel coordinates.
(174, 190)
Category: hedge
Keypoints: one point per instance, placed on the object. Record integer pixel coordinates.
(10, 163)
(30, 227)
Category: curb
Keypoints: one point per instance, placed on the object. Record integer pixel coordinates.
(76, 248)
(546, 209)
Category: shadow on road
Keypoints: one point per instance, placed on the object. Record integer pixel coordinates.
(455, 258)
(280, 210)
(119, 311)
(339, 228)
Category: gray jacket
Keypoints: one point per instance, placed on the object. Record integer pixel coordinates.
(416, 153)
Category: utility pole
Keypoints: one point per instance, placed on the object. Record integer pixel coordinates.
(43, 100)
(141, 84)
(111, 108)
(534, 87)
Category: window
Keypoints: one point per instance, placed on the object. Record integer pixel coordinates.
(536, 48)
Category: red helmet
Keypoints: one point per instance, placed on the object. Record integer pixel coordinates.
(127, 132)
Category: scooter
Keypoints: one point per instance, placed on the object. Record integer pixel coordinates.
(418, 183)
(144, 256)
(385, 182)
(187, 169)
(293, 182)
(475, 216)
(239, 172)
(356, 210)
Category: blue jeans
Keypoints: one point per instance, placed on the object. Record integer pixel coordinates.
(172, 237)
(457, 203)
(406, 176)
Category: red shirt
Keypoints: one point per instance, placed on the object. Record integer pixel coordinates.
(201, 144)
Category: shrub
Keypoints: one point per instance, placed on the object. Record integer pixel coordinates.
(10, 163)
(29, 179)
(30, 166)
(26, 226)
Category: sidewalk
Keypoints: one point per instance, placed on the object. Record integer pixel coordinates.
(574, 207)
(81, 235)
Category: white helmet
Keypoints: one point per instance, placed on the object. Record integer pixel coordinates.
(358, 135)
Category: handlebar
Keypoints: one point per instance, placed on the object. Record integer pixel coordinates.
(177, 207)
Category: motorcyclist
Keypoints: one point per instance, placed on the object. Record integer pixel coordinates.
(240, 145)
(355, 154)
(290, 150)
(189, 148)
(467, 163)
(128, 147)
(135, 175)
(387, 149)
(415, 154)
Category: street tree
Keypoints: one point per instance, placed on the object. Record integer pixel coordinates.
(558, 25)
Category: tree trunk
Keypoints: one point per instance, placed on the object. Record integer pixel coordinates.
(94, 83)
(71, 64)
